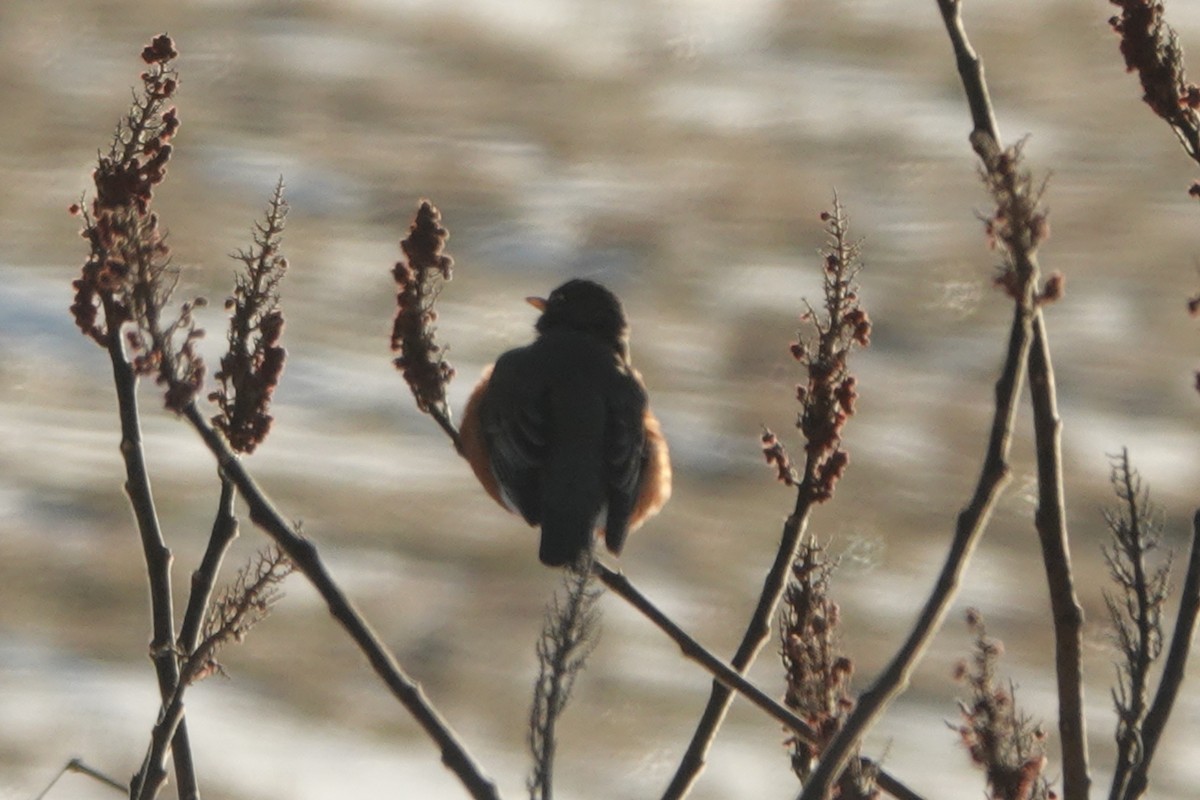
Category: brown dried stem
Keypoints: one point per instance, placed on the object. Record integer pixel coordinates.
(569, 634)
(1051, 523)
(827, 400)
(77, 765)
(250, 371)
(1020, 226)
(727, 674)
(303, 553)
(204, 578)
(125, 280)
(1019, 279)
(1135, 610)
(240, 606)
(970, 525)
(1017, 228)
(1151, 48)
(817, 672)
(1174, 668)
(756, 636)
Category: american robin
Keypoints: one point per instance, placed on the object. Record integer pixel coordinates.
(560, 431)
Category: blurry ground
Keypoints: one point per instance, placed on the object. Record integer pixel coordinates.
(680, 151)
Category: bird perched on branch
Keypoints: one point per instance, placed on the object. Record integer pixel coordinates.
(560, 431)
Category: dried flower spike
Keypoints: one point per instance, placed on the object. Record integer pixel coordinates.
(251, 367)
(419, 279)
(128, 276)
(1151, 49)
(776, 455)
(1000, 740)
(828, 395)
(817, 672)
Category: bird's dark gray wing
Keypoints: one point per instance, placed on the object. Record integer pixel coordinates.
(515, 422)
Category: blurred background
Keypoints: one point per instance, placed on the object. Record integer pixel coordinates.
(679, 151)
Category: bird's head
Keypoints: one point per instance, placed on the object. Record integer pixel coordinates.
(586, 306)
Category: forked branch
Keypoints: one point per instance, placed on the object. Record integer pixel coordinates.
(303, 553)
(827, 398)
(726, 674)
(119, 300)
(1019, 238)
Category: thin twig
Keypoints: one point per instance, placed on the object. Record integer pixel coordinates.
(304, 555)
(827, 401)
(757, 634)
(1050, 518)
(153, 774)
(970, 70)
(995, 471)
(77, 765)
(1051, 523)
(1134, 610)
(442, 418)
(725, 673)
(224, 531)
(1173, 669)
(971, 523)
(127, 276)
(569, 635)
(157, 556)
(243, 604)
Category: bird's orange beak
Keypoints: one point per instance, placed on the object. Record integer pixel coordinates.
(537, 302)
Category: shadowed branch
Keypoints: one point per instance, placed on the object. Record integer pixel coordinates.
(119, 299)
(826, 398)
(1019, 237)
(1174, 668)
(303, 553)
(570, 633)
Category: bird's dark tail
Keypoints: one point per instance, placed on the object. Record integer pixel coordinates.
(564, 542)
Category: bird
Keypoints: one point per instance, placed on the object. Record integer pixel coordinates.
(560, 431)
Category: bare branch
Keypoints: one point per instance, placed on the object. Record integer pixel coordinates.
(1135, 611)
(570, 633)
(727, 674)
(125, 280)
(826, 398)
(1051, 523)
(971, 523)
(1173, 671)
(1028, 348)
(307, 560)
(77, 765)
(204, 578)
